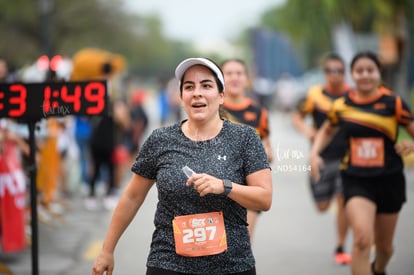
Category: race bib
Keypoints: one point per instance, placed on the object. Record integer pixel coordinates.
(367, 152)
(200, 234)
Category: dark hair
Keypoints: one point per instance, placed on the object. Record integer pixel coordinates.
(218, 82)
(238, 60)
(333, 57)
(366, 54)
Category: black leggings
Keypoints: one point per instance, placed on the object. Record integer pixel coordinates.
(159, 271)
(101, 158)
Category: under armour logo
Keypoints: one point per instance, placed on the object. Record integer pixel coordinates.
(221, 157)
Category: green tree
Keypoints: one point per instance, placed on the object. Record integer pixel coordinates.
(310, 24)
(32, 28)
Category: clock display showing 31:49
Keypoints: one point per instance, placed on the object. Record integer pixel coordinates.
(33, 101)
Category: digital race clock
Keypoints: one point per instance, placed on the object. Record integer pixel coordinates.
(33, 101)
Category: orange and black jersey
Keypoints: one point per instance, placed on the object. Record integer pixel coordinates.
(317, 103)
(371, 129)
(249, 113)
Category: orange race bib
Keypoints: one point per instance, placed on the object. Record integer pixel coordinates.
(367, 152)
(200, 234)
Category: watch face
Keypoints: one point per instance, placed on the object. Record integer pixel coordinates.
(227, 186)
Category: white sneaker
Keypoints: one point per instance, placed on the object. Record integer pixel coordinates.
(110, 202)
(56, 208)
(91, 203)
(43, 215)
(84, 189)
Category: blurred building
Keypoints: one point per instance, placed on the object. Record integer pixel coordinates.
(273, 55)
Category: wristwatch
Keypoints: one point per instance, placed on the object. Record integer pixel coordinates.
(228, 185)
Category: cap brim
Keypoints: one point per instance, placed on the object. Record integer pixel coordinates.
(187, 63)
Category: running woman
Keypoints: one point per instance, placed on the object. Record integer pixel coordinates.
(329, 187)
(372, 170)
(239, 108)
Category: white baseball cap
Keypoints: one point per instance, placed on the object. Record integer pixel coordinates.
(189, 62)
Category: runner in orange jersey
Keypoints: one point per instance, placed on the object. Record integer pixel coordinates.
(372, 169)
(239, 108)
(317, 104)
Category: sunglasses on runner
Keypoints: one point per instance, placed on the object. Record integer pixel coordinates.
(334, 70)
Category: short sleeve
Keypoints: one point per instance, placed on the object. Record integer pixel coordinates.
(264, 124)
(146, 162)
(332, 114)
(402, 112)
(255, 158)
(307, 104)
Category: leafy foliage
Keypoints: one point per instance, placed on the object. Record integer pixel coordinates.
(63, 27)
(310, 23)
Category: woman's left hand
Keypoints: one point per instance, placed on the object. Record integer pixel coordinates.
(205, 184)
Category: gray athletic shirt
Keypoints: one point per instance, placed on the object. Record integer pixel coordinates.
(233, 154)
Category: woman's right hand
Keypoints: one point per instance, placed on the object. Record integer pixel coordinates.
(404, 147)
(104, 262)
(316, 163)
